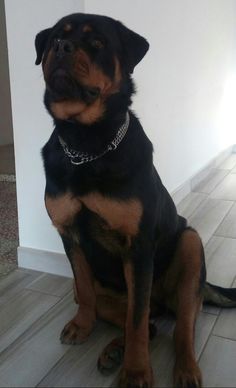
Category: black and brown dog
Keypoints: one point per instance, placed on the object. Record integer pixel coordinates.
(129, 249)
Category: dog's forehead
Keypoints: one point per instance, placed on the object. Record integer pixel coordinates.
(86, 23)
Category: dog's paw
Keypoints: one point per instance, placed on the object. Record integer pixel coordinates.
(111, 357)
(73, 334)
(187, 375)
(136, 379)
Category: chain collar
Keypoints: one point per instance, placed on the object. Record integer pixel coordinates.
(79, 157)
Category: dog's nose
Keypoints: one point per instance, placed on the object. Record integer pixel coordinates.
(63, 47)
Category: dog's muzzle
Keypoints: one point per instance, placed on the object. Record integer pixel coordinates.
(63, 47)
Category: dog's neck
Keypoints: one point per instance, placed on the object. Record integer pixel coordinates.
(79, 156)
(90, 138)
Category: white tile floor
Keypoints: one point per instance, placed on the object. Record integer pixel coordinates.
(34, 307)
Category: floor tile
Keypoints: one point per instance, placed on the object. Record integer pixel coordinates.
(210, 183)
(226, 189)
(206, 308)
(208, 216)
(14, 282)
(218, 363)
(162, 348)
(52, 284)
(189, 204)
(20, 312)
(220, 256)
(227, 228)
(229, 163)
(35, 352)
(225, 325)
(78, 367)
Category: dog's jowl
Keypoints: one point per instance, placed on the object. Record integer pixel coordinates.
(129, 250)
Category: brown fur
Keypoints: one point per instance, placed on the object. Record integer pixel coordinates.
(62, 210)
(46, 64)
(178, 289)
(78, 329)
(189, 302)
(87, 28)
(123, 216)
(89, 75)
(106, 300)
(86, 114)
(136, 368)
(67, 27)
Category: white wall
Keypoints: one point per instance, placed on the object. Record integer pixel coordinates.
(180, 90)
(181, 80)
(32, 125)
(6, 133)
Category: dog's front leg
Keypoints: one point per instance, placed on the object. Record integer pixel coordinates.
(138, 270)
(78, 329)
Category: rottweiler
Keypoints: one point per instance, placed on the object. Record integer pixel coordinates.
(129, 250)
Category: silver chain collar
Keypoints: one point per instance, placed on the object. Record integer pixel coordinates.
(78, 157)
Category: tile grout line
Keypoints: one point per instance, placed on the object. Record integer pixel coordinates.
(32, 324)
(223, 219)
(221, 180)
(211, 332)
(208, 338)
(224, 338)
(53, 366)
(213, 233)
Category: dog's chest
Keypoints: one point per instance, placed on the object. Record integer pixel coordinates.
(109, 219)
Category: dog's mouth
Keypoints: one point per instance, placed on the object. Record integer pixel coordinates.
(63, 86)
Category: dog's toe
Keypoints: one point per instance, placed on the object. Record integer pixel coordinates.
(72, 334)
(187, 375)
(111, 357)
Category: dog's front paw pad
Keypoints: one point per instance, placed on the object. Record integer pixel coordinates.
(137, 379)
(72, 334)
(187, 377)
(111, 357)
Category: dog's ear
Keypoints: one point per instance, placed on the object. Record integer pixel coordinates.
(40, 43)
(134, 45)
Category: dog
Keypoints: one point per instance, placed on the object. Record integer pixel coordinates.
(129, 250)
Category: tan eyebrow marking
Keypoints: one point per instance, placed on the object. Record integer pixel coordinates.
(67, 27)
(87, 28)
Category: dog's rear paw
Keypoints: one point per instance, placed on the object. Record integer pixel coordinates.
(187, 376)
(73, 334)
(111, 357)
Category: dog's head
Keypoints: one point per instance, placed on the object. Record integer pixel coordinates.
(85, 60)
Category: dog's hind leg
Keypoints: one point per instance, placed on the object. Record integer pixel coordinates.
(190, 268)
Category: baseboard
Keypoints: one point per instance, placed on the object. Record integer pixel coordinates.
(182, 191)
(38, 260)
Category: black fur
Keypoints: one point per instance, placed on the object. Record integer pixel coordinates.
(122, 174)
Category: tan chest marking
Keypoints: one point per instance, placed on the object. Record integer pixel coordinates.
(62, 210)
(123, 216)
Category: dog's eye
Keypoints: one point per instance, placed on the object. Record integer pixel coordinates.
(91, 94)
(97, 43)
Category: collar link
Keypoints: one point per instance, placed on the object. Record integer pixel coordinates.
(78, 157)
